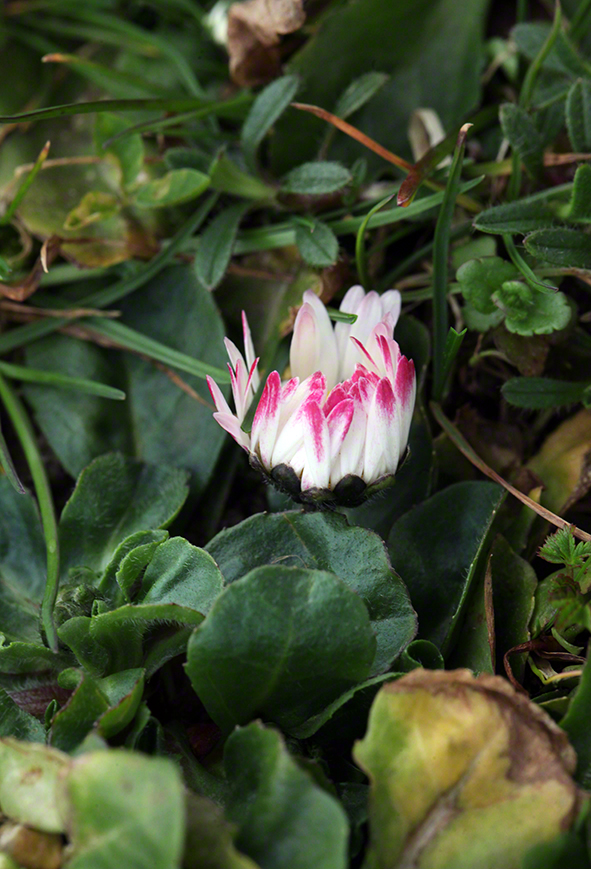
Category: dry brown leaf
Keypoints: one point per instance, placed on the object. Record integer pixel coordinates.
(31, 848)
(254, 31)
(21, 291)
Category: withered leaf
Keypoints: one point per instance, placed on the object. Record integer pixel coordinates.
(464, 772)
(254, 31)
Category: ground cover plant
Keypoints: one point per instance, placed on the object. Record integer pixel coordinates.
(354, 633)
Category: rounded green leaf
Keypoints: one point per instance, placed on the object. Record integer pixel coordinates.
(325, 541)
(182, 574)
(114, 498)
(285, 820)
(282, 643)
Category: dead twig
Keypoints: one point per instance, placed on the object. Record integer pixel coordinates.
(464, 447)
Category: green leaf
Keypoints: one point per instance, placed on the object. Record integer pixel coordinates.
(22, 546)
(414, 480)
(94, 206)
(325, 541)
(576, 725)
(127, 152)
(209, 840)
(181, 574)
(285, 821)
(578, 115)
(122, 632)
(22, 570)
(18, 658)
(567, 849)
(7, 467)
(266, 109)
(215, 245)
(282, 643)
(317, 243)
(158, 423)
(114, 498)
(480, 278)
(579, 210)
(569, 248)
(478, 322)
(129, 560)
(227, 177)
(14, 721)
(108, 705)
(124, 809)
(437, 741)
(439, 576)
(421, 653)
(514, 583)
(524, 137)
(422, 69)
(562, 58)
(354, 699)
(359, 92)
(29, 775)
(76, 719)
(540, 393)
(179, 185)
(315, 179)
(523, 215)
(75, 633)
(540, 314)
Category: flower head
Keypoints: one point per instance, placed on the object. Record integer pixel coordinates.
(337, 429)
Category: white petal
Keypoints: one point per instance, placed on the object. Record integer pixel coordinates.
(266, 420)
(248, 345)
(351, 301)
(230, 424)
(316, 472)
(313, 345)
(353, 448)
(233, 352)
(218, 397)
(339, 422)
(391, 304)
(382, 442)
(406, 392)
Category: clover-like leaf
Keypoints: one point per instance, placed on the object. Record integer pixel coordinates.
(480, 278)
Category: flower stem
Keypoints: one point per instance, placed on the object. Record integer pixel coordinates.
(26, 435)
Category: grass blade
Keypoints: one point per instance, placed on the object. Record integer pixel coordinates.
(61, 381)
(440, 255)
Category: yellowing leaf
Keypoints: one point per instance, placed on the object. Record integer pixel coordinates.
(564, 463)
(464, 773)
(94, 206)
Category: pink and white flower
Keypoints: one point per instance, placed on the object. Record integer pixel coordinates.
(337, 429)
